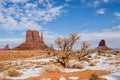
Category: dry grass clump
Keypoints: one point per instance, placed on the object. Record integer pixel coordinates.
(92, 63)
(19, 67)
(3, 67)
(77, 66)
(9, 69)
(38, 66)
(10, 65)
(12, 73)
(94, 77)
(52, 68)
(89, 56)
(117, 52)
(110, 58)
(109, 55)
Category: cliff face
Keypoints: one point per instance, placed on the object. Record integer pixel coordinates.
(102, 45)
(33, 42)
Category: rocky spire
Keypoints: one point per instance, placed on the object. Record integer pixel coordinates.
(41, 37)
(36, 37)
(29, 36)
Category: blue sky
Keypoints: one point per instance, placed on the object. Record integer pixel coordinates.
(92, 19)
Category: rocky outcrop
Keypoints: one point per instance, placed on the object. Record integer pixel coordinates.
(102, 45)
(33, 36)
(6, 47)
(33, 42)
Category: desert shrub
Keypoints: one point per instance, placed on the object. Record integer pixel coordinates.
(93, 63)
(19, 67)
(109, 55)
(89, 56)
(86, 59)
(52, 68)
(94, 77)
(110, 58)
(77, 66)
(3, 67)
(14, 73)
(38, 66)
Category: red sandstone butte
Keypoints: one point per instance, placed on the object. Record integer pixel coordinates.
(33, 42)
(102, 45)
(6, 47)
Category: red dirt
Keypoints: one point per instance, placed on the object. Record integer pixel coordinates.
(82, 75)
(117, 62)
(20, 54)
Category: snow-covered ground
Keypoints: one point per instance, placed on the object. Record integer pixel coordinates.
(29, 73)
(102, 63)
(112, 76)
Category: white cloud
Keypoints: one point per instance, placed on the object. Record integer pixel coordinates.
(106, 1)
(26, 15)
(114, 28)
(101, 11)
(16, 1)
(96, 3)
(91, 3)
(68, 0)
(117, 14)
(11, 42)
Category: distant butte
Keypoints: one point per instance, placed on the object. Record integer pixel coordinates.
(6, 47)
(102, 45)
(33, 42)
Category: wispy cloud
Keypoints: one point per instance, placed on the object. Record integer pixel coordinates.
(68, 0)
(95, 3)
(106, 1)
(22, 14)
(11, 42)
(101, 11)
(117, 14)
(114, 28)
(90, 3)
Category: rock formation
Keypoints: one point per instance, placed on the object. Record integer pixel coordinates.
(33, 42)
(6, 47)
(102, 45)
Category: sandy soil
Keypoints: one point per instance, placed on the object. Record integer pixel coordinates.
(82, 75)
(117, 62)
(13, 54)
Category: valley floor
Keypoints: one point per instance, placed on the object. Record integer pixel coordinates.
(32, 66)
